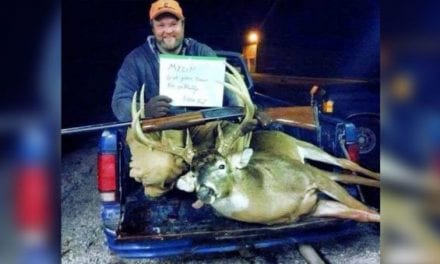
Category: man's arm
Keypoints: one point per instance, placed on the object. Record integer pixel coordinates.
(128, 82)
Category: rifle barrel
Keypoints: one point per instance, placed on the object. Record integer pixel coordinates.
(80, 129)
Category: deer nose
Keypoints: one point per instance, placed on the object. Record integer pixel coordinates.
(205, 194)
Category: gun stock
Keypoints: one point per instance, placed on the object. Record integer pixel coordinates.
(297, 116)
(173, 122)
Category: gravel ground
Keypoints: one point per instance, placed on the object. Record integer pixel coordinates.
(83, 240)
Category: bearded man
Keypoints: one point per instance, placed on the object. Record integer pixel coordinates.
(141, 66)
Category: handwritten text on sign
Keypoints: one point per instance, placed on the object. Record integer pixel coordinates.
(192, 81)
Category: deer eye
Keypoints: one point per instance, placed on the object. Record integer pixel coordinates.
(221, 166)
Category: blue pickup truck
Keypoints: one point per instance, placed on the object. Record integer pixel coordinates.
(138, 227)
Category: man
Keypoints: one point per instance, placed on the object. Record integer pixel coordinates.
(141, 66)
(157, 170)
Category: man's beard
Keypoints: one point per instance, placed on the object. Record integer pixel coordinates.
(171, 44)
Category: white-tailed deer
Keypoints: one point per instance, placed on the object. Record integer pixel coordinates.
(261, 177)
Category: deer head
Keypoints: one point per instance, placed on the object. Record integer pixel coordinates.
(230, 140)
(216, 174)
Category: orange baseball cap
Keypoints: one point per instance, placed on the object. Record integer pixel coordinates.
(165, 6)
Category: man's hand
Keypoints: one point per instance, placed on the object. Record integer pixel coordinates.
(157, 106)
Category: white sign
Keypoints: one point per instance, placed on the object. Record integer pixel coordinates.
(192, 81)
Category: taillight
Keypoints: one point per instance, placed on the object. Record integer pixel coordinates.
(353, 152)
(350, 145)
(107, 166)
(32, 198)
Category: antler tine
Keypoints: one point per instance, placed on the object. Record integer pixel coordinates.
(242, 94)
(140, 134)
(135, 121)
(189, 149)
(239, 82)
(238, 78)
(142, 101)
(250, 108)
(236, 74)
(220, 138)
(231, 79)
(186, 153)
(246, 102)
(237, 86)
(133, 109)
(188, 142)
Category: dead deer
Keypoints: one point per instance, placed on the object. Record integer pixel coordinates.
(271, 184)
(157, 158)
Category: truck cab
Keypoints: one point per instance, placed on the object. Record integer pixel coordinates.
(137, 226)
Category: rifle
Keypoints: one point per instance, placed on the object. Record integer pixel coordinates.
(298, 116)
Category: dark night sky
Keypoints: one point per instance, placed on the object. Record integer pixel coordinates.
(320, 38)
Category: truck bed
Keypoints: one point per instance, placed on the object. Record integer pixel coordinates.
(171, 216)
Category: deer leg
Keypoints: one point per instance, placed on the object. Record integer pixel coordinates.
(350, 165)
(309, 151)
(326, 185)
(353, 179)
(335, 209)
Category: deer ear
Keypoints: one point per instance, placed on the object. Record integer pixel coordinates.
(246, 156)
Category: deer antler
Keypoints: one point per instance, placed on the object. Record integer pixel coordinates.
(237, 85)
(187, 153)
